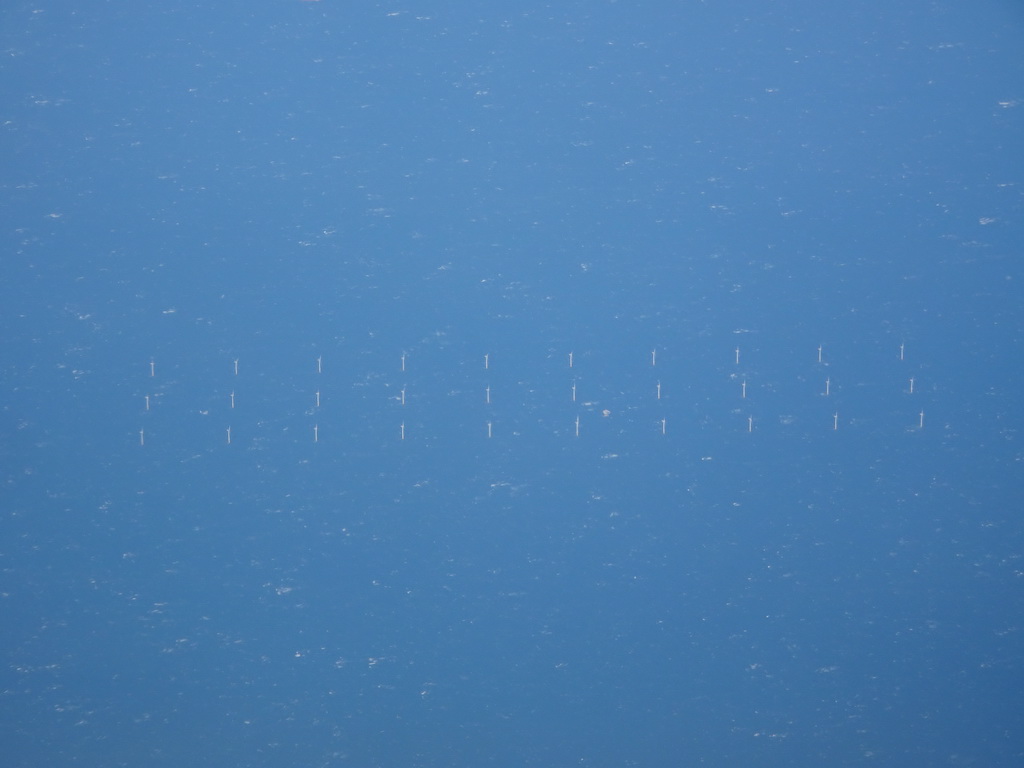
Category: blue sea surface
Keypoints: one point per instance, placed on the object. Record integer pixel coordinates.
(515, 384)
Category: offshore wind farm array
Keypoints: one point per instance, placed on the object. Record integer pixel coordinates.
(343, 399)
